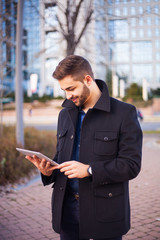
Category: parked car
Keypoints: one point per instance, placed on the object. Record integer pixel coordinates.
(139, 115)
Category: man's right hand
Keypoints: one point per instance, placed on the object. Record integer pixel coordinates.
(44, 166)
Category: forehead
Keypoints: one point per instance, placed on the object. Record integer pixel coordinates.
(68, 82)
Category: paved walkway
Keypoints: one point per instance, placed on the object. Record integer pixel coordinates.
(26, 214)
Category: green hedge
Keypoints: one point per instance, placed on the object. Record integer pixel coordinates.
(13, 165)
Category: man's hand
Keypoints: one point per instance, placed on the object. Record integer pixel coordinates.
(44, 166)
(74, 169)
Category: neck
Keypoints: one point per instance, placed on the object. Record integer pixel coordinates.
(95, 94)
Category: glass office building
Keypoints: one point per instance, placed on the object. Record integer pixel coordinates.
(30, 42)
(134, 40)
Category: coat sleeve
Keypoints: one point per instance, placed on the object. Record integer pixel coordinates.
(127, 163)
(46, 180)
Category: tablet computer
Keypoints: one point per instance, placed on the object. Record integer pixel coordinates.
(38, 154)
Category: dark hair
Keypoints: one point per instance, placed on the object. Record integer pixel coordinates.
(73, 65)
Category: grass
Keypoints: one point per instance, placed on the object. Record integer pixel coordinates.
(13, 165)
(152, 132)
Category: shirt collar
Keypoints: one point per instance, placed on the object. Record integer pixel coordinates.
(103, 102)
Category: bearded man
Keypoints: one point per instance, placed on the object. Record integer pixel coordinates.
(99, 143)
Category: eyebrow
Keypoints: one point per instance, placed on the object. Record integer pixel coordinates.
(68, 88)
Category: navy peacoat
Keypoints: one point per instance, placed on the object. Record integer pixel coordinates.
(111, 142)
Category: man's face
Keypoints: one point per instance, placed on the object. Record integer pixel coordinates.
(76, 91)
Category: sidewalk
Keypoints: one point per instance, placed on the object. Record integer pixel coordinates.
(26, 214)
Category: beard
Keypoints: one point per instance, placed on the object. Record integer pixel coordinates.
(83, 97)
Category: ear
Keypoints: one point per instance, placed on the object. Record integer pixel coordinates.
(88, 80)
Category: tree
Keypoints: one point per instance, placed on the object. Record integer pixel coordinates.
(134, 92)
(73, 17)
(109, 81)
(72, 14)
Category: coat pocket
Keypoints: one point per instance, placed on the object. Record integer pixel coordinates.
(105, 142)
(109, 203)
(60, 139)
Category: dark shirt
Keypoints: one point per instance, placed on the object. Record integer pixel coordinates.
(73, 183)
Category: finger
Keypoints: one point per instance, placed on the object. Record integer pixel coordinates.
(67, 173)
(74, 175)
(65, 164)
(64, 169)
(29, 158)
(37, 158)
(43, 163)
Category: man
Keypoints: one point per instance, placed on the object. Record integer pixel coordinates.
(99, 143)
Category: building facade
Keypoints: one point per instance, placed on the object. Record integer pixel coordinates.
(134, 40)
(8, 21)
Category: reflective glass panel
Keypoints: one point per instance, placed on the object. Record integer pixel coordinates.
(158, 73)
(141, 51)
(141, 71)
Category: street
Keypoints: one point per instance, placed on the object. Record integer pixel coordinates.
(25, 213)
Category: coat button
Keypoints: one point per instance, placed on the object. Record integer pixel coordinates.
(71, 137)
(105, 138)
(61, 188)
(110, 195)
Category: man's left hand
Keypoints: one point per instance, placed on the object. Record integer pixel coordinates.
(74, 169)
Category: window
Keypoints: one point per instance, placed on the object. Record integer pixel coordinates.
(24, 58)
(157, 20)
(9, 71)
(140, 1)
(110, 11)
(117, 12)
(25, 37)
(4, 51)
(133, 10)
(148, 9)
(141, 32)
(149, 33)
(141, 22)
(149, 21)
(133, 22)
(117, 1)
(122, 70)
(125, 11)
(133, 33)
(118, 29)
(120, 51)
(158, 73)
(3, 29)
(141, 71)
(140, 10)
(142, 51)
(110, 2)
(8, 7)
(8, 52)
(156, 9)
(8, 28)
(50, 16)
(25, 75)
(158, 56)
(51, 38)
(124, 1)
(157, 43)
(157, 32)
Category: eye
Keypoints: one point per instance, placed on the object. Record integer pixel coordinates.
(71, 89)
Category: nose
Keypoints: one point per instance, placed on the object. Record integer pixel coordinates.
(68, 95)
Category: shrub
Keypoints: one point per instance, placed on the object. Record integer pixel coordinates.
(13, 164)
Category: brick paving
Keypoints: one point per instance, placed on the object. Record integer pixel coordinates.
(25, 214)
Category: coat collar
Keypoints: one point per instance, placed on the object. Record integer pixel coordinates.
(102, 104)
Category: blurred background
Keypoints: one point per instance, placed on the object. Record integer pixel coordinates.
(120, 38)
